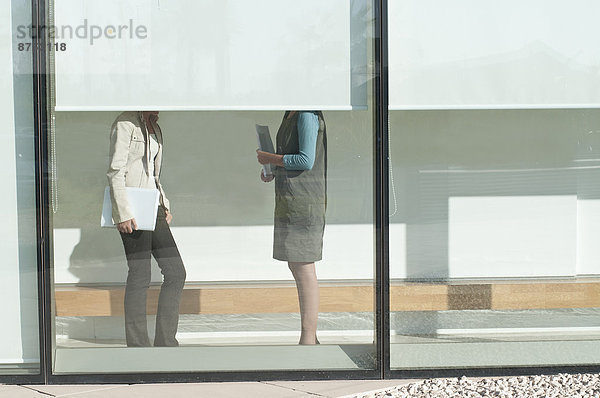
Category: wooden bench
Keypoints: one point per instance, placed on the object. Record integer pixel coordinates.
(248, 298)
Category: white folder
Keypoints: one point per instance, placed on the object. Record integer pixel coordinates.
(143, 203)
(265, 144)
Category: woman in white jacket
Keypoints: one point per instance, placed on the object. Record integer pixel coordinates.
(135, 161)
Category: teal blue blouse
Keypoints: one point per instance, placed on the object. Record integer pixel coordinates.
(308, 131)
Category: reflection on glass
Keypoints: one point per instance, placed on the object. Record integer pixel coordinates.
(19, 337)
(240, 309)
(494, 155)
(236, 301)
(495, 234)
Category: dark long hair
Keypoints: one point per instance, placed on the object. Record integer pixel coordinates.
(318, 113)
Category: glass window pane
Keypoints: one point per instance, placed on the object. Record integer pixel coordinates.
(214, 75)
(19, 342)
(494, 211)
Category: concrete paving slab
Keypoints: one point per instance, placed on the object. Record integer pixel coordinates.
(494, 354)
(70, 390)
(339, 388)
(211, 358)
(202, 390)
(19, 392)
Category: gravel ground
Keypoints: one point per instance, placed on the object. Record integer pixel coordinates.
(561, 385)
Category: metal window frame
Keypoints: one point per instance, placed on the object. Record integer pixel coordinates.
(42, 198)
(381, 232)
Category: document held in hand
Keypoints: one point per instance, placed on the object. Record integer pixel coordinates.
(265, 144)
(143, 203)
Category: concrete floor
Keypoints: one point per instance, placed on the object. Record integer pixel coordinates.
(271, 389)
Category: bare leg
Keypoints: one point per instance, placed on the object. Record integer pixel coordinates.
(308, 297)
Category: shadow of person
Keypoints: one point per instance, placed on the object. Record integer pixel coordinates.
(98, 257)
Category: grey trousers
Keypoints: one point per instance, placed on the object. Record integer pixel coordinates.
(138, 246)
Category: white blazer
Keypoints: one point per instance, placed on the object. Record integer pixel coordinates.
(129, 160)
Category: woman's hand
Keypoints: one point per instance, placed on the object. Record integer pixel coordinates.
(264, 178)
(127, 227)
(168, 217)
(269, 158)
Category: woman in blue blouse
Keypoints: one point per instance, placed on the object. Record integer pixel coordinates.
(300, 202)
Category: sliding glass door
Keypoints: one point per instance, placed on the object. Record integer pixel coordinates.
(19, 342)
(148, 92)
(494, 199)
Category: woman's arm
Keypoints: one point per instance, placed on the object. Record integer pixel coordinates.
(269, 158)
(308, 131)
(120, 138)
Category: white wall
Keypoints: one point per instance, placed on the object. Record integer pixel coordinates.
(479, 194)
(223, 214)
(233, 253)
(496, 193)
